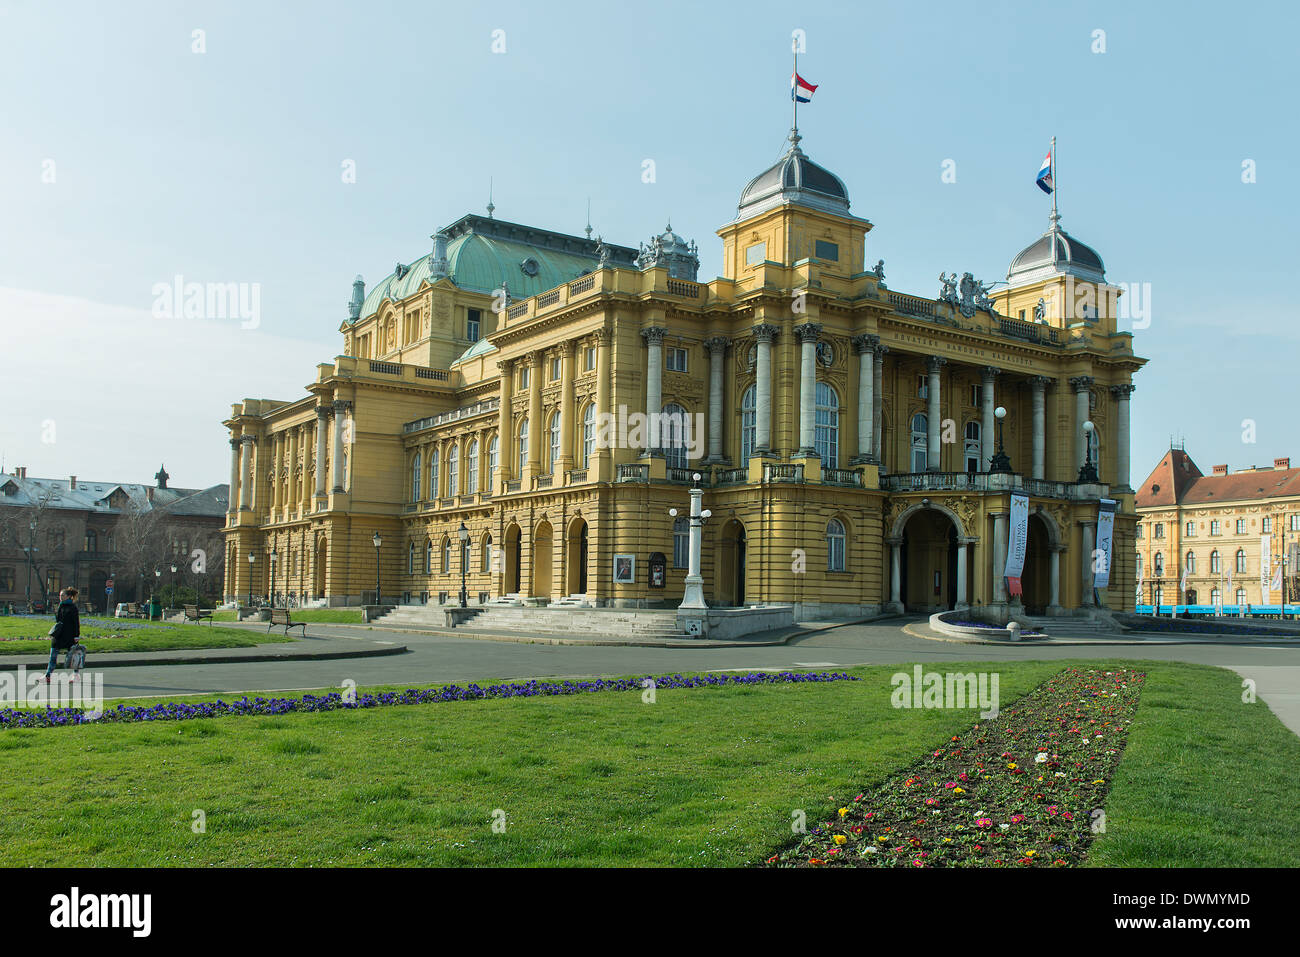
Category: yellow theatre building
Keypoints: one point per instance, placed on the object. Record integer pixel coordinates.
(843, 433)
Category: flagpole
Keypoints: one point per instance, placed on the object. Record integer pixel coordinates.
(1055, 183)
(794, 95)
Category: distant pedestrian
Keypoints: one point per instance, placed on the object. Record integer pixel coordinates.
(66, 629)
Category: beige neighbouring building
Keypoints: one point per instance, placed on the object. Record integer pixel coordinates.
(844, 432)
(1218, 528)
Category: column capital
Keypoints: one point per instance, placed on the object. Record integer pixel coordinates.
(807, 332)
(654, 335)
(322, 412)
(505, 366)
(1041, 382)
(717, 345)
(766, 331)
(604, 335)
(534, 360)
(989, 373)
(935, 363)
(864, 343)
(247, 439)
(567, 348)
(1123, 391)
(235, 441)
(1081, 383)
(341, 405)
(881, 351)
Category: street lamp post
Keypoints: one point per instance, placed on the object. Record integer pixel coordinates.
(463, 533)
(251, 559)
(31, 559)
(1088, 474)
(377, 541)
(693, 595)
(1000, 461)
(157, 576)
(270, 585)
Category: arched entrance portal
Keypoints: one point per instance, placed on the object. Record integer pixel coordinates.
(729, 583)
(318, 569)
(512, 577)
(929, 562)
(1037, 578)
(576, 558)
(542, 552)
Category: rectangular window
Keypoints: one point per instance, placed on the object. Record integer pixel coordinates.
(676, 360)
(1241, 526)
(1021, 315)
(1159, 530)
(1190, 530)
(1266, 524)
(555, 370)
(827, 251)
(523, 378)
(473, 323)
(922, 387)
(976, 393)
(756, 254)
(589, 359)
(1140, 533)
(1295, 523)
(1215, 528)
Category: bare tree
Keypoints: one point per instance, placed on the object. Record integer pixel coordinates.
(23, 525)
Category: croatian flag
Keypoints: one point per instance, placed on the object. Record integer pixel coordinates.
(1045, 175)
(801, 89)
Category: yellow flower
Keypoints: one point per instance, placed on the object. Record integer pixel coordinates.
(958, 790)
(844, 812)
(840, 839)
(1012, 765)
(1030, 853)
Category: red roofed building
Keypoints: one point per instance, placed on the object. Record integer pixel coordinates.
(1216, 528)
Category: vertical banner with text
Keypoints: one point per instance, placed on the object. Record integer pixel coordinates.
(1019, 524)
(1105, 537)
(1265, 568)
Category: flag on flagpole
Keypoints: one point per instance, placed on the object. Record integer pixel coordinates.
(1277, 578)
(800, 89)
(1046, 180)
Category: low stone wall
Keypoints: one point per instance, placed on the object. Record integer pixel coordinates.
(945, 623)
(720, 624)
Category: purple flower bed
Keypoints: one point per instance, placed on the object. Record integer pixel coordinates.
(184, 711)
(985, 624)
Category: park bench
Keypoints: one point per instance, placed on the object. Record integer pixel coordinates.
(196, 614)
(281, 616)
(134, 610)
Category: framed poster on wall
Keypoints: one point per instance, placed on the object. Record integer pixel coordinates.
(624, 569)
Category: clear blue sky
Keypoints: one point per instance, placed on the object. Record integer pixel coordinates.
(225, 166)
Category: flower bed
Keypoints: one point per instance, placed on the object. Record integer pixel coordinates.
(952, 623)
(184, 710)
(1025, 789)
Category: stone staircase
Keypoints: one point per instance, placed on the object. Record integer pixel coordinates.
(554, 620)
(1074, 628)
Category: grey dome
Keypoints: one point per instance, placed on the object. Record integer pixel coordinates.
(1053, 253)
(797, 179)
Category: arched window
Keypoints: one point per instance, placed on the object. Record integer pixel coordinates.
(1139, 566)
(747, 403)
(673, 436)
(453, 470)
(471, 470)
(410, 559)
(494, 454)
(434, 488)
(1160, 564)
(1191, 563)
(523, 447)
(1216, 562)
(973, 448)
(681, 542)
(835, 545)
(92, 540)
(464, 555)
(588, 433)
(920, 442)
(554, 453)
(826, 426)
(1158, 596)
(1216, 597)
(416, 476)
(428, 556)
(485, 559)
(446, 555)
(1241, 597)
(1241, 560)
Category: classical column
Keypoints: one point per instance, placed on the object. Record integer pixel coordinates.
(232, 497)
(807, 334)
(1039, 384)
(1121, 394)
(604, 343)
(693, 596)
(245, 471)
(565, 460)
(654, 384)
(340, 407)
(896, 574)
(988, 444)
(277, 473)
(1081, 385)
(933, 445)
(1089, 546)
(717, 347)
(877, 402)
(1000, 557)
(764, 334)
(864, 346)
(505, 423)
(962, 601)
(1054, 602)
(536, 427)
(304, 496)
(322, 417)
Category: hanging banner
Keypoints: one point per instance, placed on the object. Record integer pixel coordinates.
(1019, 525)
(1105, 536)
(1265, 567)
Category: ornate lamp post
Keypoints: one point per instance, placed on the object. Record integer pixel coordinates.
(1000, 461)
(463, 534)
(1088, 474)
(693, 596)
(270, 585)
(251, 559)
(377, 541)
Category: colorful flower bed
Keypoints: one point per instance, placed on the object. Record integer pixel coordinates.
(1024, 789)
(334, 701)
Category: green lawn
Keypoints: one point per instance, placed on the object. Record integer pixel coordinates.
(338, 616)
(701, 777)
(127, 635)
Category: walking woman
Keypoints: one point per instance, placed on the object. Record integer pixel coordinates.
(66, 630)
